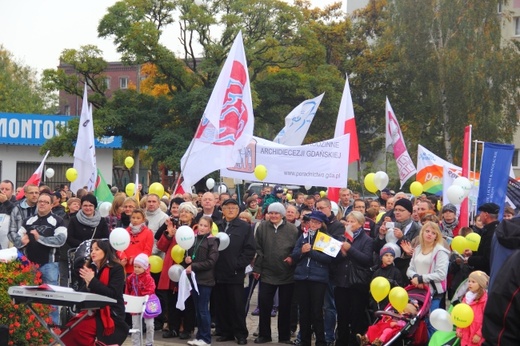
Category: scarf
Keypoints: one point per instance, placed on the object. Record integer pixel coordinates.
(405, 224)
(447, 228)
(106, 319)
(91, 222)
(470, 297)
(137, 228)
(253, 211)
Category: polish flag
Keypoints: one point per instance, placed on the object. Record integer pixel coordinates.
(35, 179)
(346, 123)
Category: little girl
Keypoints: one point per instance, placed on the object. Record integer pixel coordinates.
(476, 297)
(201, 259)
(141, 240)
(141, 283)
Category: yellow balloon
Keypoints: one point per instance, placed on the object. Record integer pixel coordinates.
(473, 241)
(157, 188)
(214, 229)
(416, 188)
(288, 196)
(323, 194)
(129, 162)
(398, 298)
(71, 174)
(462, 315)
(178, 253)
(129, 189)
(379, 287)
(459, 244)
(369, 182)
(156, 263)
(260, 172)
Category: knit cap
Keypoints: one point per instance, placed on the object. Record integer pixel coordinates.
(386, 250)
(142, 260)
(480, 277)
(276, 207)
(405, 203)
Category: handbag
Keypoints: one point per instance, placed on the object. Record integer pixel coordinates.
(357, 275)
(153, 307)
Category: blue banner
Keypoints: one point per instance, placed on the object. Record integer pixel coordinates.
(494, 174)
(35, 129)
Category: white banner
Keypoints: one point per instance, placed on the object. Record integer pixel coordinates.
(318, 164)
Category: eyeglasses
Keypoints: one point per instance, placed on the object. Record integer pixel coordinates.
(230, 207)
(44, 202)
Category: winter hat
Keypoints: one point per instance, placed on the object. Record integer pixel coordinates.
(142, 260)
(318, 215)
(405, 203)
(480, 277)
(449, 207)
(277, 189)
(386, 250)
(276, 207)
(89, 198)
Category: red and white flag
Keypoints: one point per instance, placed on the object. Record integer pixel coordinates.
(35, 178)
(394, 137)
(346, 123)
(227, 124)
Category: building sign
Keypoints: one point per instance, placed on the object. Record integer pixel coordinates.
(35, 129)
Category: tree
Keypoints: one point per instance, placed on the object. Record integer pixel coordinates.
(20, 90)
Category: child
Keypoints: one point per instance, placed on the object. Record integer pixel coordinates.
(476, 297)
(141, 240)
(384, 330)
(201, 259)
(141, 283)
(389, 271)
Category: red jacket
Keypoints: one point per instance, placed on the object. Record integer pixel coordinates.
(476, 326)
(141, 242)
(140, 285)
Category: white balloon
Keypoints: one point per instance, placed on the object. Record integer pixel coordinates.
(222, 188)
(49, 173)
(185, 237)
(308, 187)
(464, 183)
(119, 239)
(210, 183)
(395, 247)
(381, 180)
(334, 206)
(174, 272)
(104, 209)
(390, 236)
(455, 194)
(441, 320)
(224, 240)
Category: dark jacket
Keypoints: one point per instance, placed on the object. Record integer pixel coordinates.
(505, 241)
(204, 254)
(216, 216)
(360, 254)
(310, 266)
(272, 247)
(115, 290)
(502, 312)
(480, 260)
(78, 232)
(233, 261)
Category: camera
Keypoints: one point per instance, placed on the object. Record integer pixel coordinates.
(175, 220)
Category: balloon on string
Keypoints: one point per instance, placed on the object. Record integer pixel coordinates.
(223, 240)
(473, 241)
(462, 315)
(129, 189)
(214, 229)
(210, 183)
(395, 247)
(49, 173)
(455, 194)
(398, 297)
(334, 207)
(104, 209)
(174, 272)
(177, 253)
(185, 237)
(260, 172)
(156, 264)
(381, 180)
(119, 239)
(157, 189)
(369, 182)
(459, 244)
(440, 319)
(464, 183)
(288, 196)
(379, 288)
(71, 174)
(416, 188)
(129, 162)
(221, 189)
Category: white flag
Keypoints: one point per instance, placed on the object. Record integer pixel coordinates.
(85, 152)
(227, 123)
(394, 137)
(297, 123)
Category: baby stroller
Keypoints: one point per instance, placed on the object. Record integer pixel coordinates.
(414, 331)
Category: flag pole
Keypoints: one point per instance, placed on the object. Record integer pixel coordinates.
(187, 156)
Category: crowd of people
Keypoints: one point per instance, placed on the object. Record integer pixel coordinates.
(278, 243)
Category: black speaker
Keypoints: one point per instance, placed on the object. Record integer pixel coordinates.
(4, 335)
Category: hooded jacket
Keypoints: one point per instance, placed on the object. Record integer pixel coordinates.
(437, 275)
(505, 241)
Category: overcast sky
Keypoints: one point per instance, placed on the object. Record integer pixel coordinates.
(36, 31)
